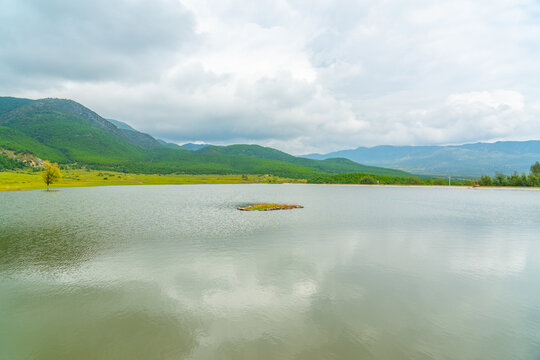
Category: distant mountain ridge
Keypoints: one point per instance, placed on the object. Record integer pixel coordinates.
(67, 132)
(332, 165)
(469, 159)
(134, 135)
(121, 124)
(194, 147)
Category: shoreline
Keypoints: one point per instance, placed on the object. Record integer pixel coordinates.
(22, 181)
(440, 186)
(232, 182)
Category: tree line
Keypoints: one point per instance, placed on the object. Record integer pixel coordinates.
(531, 179)
(370, 179)
(10, 164)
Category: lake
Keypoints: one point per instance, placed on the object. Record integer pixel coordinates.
(176, 272)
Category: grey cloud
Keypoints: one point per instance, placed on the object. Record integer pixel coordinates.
(279, 107)
(90, 40)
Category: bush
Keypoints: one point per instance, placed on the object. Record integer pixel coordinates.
(367, 180)
(10, 164)
(485, 181)
(440, 182)
(414, 181)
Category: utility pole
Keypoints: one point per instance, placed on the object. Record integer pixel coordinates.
(449, 180)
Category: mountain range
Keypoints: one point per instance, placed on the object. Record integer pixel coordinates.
(467, 160)
(67, 132)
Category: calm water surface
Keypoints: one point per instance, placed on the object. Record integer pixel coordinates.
(175, 272)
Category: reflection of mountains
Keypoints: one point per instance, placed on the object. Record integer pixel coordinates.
(45, 245)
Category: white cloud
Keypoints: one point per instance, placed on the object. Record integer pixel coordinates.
(301, 76)
(499, 99)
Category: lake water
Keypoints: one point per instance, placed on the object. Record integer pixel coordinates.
(176, 272)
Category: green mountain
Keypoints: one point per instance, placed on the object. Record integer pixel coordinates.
(9, 103)
(78, 133)
(15, 140)
(64, 131)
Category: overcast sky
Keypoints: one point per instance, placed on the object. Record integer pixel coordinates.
(302, 76)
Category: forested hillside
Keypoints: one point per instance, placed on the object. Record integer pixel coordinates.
(66, 132)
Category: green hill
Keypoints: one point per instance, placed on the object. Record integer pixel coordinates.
(333, 165)
(9, 103)
(78, 133)
(15, 140)
(66, 132)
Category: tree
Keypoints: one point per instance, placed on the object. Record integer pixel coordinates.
(414, 181)
(500, 180)
(485, 181)
(367, 180)
(535, 168)
(51, 174)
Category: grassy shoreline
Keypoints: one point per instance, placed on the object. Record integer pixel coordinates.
(23, 180)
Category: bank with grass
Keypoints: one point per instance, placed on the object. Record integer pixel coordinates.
(30, 180)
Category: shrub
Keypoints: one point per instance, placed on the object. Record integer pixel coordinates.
(367, 180)
(414, 181)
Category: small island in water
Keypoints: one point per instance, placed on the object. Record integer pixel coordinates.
(268, 207)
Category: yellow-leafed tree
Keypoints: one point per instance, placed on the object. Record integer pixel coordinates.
(51, 174)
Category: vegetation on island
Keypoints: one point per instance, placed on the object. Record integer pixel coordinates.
(268, 207)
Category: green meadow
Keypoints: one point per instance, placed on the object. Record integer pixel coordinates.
(24, 180)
